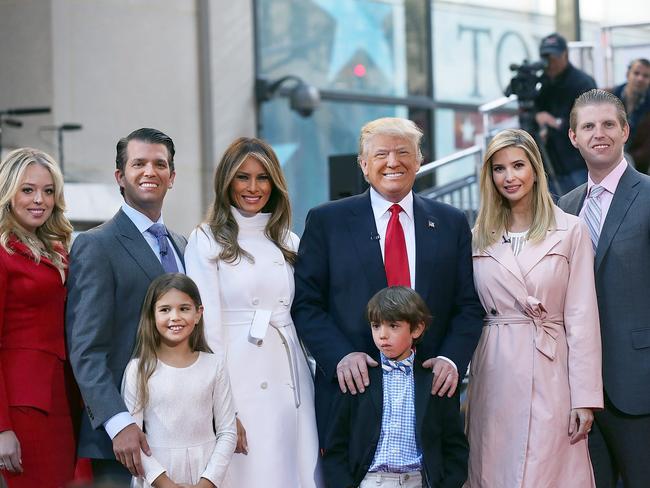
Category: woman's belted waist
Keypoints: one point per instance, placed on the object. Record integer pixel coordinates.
(546, 329)
(259, 321)
(277, 318)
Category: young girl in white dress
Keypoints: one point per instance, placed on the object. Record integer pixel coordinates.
(179, 392)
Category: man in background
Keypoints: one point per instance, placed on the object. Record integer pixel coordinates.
(562, 83)
(635, 95)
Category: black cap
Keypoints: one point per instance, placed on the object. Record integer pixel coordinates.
(552, 44)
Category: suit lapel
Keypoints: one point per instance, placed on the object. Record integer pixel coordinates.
(136, 245)
(625, 194)
(575, 201)
(502, 252)
(426, 232)
(532, 254)
(362, 229)
(179, 244)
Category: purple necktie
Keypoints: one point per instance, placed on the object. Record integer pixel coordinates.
(167, 258)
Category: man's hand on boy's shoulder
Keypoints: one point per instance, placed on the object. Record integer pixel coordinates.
(352, 372)
(445, 376)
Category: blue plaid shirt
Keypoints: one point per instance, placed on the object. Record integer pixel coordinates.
(397, 450)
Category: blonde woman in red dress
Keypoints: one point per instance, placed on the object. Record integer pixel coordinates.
(37, 445)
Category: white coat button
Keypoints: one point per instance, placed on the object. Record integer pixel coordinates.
(264, 385)
(255, 301)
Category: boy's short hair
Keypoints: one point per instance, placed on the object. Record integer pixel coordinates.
(399, 303)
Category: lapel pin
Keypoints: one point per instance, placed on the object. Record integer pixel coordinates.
(431, 225)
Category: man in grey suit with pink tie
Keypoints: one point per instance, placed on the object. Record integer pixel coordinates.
(615, 205)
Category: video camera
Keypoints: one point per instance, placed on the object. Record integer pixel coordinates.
(525, 83)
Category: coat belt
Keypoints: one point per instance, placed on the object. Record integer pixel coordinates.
(546, 330)
(259, 321)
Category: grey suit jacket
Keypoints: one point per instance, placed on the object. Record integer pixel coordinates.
(111, 268)
(622, 268)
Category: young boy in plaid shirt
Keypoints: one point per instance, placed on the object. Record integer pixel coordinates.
(396, 434)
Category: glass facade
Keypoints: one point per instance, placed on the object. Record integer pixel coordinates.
(376, 52)
(432, 61)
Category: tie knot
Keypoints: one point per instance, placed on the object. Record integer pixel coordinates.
(595, 191)
(395, 209)
(158, 230)
(389, 365)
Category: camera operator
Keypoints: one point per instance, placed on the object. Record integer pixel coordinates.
(635, 95)
(562, 83)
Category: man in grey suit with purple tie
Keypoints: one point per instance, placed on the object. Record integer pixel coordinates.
(111, 268)
(615, 205)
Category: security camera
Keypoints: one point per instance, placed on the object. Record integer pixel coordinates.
(304, 99)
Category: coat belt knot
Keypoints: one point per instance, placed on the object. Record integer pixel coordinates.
(545, 327)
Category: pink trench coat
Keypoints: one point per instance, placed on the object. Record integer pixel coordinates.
(539, 356)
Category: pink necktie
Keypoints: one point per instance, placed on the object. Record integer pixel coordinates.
(395, 258)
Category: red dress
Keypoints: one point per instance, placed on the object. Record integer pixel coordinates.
(36, 391)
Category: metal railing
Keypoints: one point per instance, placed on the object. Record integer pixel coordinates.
(615, 51)
(462, 191)
(460, 187)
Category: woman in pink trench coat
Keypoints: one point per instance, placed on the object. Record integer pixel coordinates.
(536, 373)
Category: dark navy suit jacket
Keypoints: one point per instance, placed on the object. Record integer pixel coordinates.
(340, 267)
(355, 427)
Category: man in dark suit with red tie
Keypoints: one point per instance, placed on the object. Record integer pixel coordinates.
(388, 235)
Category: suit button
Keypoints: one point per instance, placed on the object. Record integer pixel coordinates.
(493, 311)
(255, 301)
(264, 385)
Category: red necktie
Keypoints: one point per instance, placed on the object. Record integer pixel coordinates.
(396, 260)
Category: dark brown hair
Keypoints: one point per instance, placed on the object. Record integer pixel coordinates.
(397, 303)
(148, 337)
(220, 219)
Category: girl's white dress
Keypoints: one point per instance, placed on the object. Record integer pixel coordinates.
(247, 317)
(178, 420)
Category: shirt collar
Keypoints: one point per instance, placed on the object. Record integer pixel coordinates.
(610, 182)
(140, 220)
(380, 205)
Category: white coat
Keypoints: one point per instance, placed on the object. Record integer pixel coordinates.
(247, 318)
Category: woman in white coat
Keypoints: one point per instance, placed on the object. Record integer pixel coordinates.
(242, 261)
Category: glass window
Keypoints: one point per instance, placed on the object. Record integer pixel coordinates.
(370, 46)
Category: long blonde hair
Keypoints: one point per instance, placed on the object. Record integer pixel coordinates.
(56, 231)
(220, 219)
(148, 338)
(494, 213)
